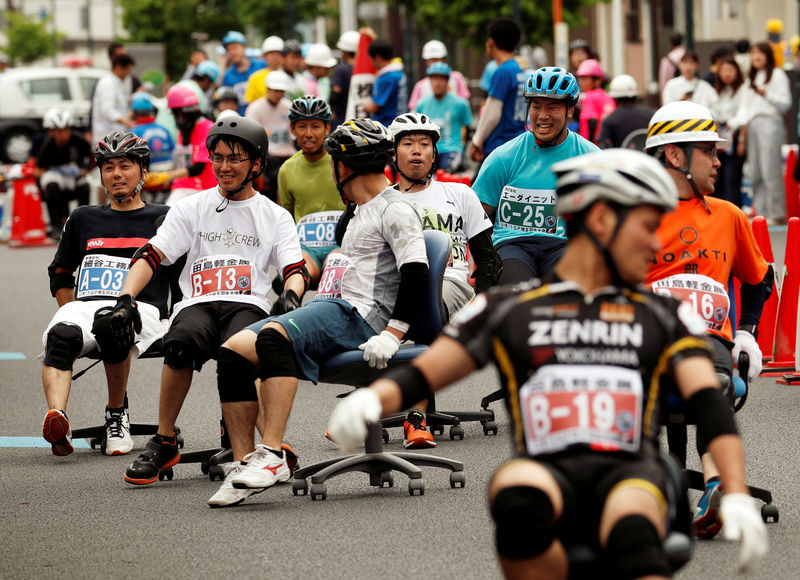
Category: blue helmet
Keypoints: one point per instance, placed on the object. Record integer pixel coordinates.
(234, 36)
(554, 83)
(141, 101)
(208, 69)
(439, 68)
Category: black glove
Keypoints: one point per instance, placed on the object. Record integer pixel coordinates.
(287, 302)
(125, 321)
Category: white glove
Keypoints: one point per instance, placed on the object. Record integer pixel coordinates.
(746, 342)
(741, 521)
(348, 422)
(380, 348)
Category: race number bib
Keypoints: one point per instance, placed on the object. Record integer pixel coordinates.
(596, 405)
(318, 229)
(102, 275)
(330, 282)
(182, 156)
(221, 276)
(528, 210)
(706, 296)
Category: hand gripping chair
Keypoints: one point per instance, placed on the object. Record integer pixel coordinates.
(349, 368)
(677, 418)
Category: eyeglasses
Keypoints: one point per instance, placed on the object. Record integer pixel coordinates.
(233, 161)
(711, 150)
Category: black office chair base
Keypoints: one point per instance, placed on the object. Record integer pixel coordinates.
(437, 420)
(769, 511)
(378, 464)
(97, 435)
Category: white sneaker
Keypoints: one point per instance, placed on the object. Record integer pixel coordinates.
(227, 495)
(263, 469)
(118, 433)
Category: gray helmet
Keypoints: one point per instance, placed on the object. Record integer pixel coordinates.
(120, 144)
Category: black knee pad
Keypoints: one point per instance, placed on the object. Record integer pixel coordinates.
(515, 271)
(523, 517)
(235, 377)
(634, 549)
(64, 344)
(275, 355)
(178, 355)
(110, 350)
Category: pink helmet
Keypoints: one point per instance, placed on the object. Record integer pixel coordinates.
(590, 68)
(181, 96)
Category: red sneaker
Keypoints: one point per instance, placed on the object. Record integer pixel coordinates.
(56, 431)
(417, 435)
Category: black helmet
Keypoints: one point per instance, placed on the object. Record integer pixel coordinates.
(119, 144)
(224, 94)
(359, 143)
(243, 129)
(292, 45)
(309, 107)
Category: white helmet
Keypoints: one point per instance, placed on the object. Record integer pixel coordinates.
(682, 122)
(227, 113)
(348, 41)
(272, 44)
(413, 123)
(320, 55)
(623, 87)
(277, 80)
(57, 119)
(434, 49)
(622, 176)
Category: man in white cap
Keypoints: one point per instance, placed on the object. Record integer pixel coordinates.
(272, 49)
(319, 62)
(435, 51)
(340, 83)
(272, 113)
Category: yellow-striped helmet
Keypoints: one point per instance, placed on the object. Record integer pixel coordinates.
(682, 122)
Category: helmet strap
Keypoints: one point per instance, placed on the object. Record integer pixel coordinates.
(616, 279)
(136, 189)
(230, 194)
(340, 183)
(552, 142)
(689, 151)
(414, 181)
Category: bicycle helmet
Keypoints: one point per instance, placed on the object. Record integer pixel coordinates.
(183, 98)
(253, 138)
(57, 119)
(434, 49)
(207, 69)
(225, 94)
(122, 144)
(553, 82)
(590, 68)
(361, 144)
(234, 36)
(309, 107)
(142, 102)
(439, 68)
(414, 123)
(623, 87)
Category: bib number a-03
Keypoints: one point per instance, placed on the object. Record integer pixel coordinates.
(596, 405)
(221, 276)
(101, 275)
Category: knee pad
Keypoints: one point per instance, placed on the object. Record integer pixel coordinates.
(275, 355)
(634, 549)
(523, 517)
(178, 355)
(110, 350)
(235, 377)
(64, 344)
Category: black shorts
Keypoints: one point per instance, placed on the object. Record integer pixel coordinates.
(587, 478)
(205, 326)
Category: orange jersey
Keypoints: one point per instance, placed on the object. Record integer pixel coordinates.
(700, 251)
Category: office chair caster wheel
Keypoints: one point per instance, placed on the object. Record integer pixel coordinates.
(437, 429)
(216, 472)
(769, 510)
(204, 468)
(416, 487)
(179, 438)
(387, 479)
(490, 428)
(167, 474)
(95, 441)
(457, 479)
(318, 491)
(102, 446)
(220, 457)
(456, 431)
(299, 487)
(385, 435)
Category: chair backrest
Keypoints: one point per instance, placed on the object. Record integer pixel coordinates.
(430, 317)
(635, 140)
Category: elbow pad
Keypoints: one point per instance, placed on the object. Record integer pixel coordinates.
(753, 297)
(488, 265)
(298, 268)
(149, 254)
(59, 280)
(196, 169)
(414, 277)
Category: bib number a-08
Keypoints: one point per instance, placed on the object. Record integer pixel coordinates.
(221, 276)
(101, 275)
(707, 297)
(330, 282)
(527, 210)
(596, 405)
(318, 229)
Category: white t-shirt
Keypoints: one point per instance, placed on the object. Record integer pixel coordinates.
(228, 252)
(455, 209)
(384, 234)
(275, 120)
(702, 92)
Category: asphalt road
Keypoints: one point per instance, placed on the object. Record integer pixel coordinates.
(74, 517)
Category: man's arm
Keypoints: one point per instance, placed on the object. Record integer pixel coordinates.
(64, 294)
(489, 120)
(142, 270)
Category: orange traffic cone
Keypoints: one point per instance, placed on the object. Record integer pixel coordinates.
(766, 326)
(27, 224)
(791, 187)
(786, 327)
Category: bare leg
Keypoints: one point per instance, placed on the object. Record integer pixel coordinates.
(117, 378)
(240, 417)
(175, 385)
(57, 385)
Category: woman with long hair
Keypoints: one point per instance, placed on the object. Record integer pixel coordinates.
(729, 83)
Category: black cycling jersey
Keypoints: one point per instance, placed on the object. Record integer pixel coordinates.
(580, 371)
(77, 151)
(105, 234)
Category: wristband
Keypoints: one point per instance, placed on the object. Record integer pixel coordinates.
(399, 325)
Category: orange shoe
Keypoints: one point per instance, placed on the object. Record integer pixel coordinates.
(416, 433)
(56, 431)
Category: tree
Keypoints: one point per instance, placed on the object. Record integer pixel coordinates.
(279, 17)
(28, 39)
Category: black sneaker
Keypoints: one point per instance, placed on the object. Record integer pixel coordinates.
(159, 454)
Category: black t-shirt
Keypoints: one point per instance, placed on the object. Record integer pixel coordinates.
(579, 371)
(77, 150)
(622, 122)
(104, 235)
(341, 78)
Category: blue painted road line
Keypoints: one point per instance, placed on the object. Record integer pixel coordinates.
(12, 356)
(37, 442)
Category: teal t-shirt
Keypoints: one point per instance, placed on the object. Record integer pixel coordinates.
(516, 179)
(452, 114)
